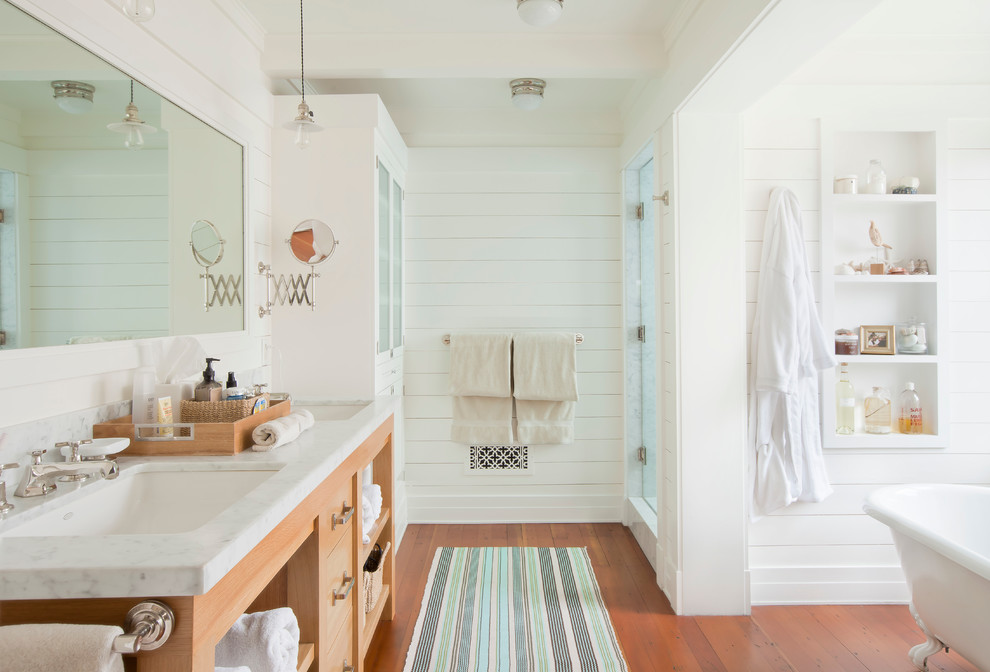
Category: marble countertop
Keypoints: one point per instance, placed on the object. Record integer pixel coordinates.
(189, 563)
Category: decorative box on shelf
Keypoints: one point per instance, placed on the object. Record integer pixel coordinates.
(191, 438)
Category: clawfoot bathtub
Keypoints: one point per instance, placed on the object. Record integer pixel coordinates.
(942, 535)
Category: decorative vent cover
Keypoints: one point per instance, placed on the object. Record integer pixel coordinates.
(499, 458)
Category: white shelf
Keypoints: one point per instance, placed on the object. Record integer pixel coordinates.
(892, 440)
(861, 199)
(883, 279)
(888, 359)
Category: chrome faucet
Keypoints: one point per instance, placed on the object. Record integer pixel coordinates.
(40, 477)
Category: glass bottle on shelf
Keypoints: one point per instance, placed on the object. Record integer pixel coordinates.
(876, 412)
(845, 403)
(876, 178)
(909, 419)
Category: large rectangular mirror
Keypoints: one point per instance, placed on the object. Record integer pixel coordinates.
(98, 215)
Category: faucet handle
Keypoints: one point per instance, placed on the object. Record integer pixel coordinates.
(74, 445)
(36, 456)
(9, 465)
(5, 506)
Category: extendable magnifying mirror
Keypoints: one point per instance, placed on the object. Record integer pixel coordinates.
(207, 250)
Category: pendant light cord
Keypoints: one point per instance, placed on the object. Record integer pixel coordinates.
(302, 52)
(132, 92)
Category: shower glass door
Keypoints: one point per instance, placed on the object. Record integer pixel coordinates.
(648, 337)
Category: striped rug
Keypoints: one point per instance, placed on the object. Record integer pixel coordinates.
(513, 610)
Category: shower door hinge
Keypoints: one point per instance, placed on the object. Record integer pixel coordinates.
(639, 211)
(641, 454)
(641, 333)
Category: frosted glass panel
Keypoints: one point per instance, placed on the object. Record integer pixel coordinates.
(384, 259)
(396, 265)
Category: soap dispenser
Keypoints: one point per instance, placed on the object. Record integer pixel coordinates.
(209, 389)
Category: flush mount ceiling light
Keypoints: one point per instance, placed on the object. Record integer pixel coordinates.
(138, 10)
(527, 94)
(539, 13)
(303, 124)
(132, 126)
(74, 97)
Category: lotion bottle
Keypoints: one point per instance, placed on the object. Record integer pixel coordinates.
(845, 403)
(209, 389)
(144, 401)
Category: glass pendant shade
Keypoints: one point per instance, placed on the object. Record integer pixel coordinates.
(540, 13)
(303, 125)
(132, 127)
(138, 10)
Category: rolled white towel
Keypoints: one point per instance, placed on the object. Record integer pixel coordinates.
(368, 516)
(374, 494)
(266, 641)
(59, 646)
(281, 431)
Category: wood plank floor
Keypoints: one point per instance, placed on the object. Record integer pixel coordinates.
(798, 639)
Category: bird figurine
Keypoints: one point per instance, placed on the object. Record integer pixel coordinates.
(875, 237)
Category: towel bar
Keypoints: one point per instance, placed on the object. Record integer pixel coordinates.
(147, 626)
(578, 338)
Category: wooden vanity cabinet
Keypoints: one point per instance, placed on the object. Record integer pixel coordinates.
(300, 564)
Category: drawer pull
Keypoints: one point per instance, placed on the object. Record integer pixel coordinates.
(347, 668)
(346, 514)
(346, 587)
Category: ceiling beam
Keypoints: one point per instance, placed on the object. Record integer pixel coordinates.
(460, 55)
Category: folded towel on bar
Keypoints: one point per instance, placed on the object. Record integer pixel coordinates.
(479, 365)
(482, 420)
(481, 385)
(55, 647)
(281, 431)
(544, 366)
(266, 641)
(544, 373)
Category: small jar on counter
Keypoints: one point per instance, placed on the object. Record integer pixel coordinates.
(845, 184)
(846, 342)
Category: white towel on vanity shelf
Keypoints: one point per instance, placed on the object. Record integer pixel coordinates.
(374, 494)
(544, 372)
(281, 431)
(367, 519)
(266, 641)
(481, 386)
(55, 647)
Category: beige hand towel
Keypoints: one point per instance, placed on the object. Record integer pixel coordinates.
(481, 386)
(544, 366)
(56, 647)
(479, 365)
(544, 371)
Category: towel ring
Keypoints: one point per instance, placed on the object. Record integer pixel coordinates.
(148, 625)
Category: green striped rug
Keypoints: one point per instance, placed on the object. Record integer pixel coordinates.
(513, 610)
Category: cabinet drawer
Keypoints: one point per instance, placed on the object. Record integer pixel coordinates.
(340, 656)
(340, 600)
(340, 512)
(388, 372)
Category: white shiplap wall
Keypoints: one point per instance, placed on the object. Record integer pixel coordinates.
(514, 239)
(99, 244)
(831, 552)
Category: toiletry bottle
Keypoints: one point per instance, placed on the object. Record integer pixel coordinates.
(209, 389)
(233, 391)
(909, 420)
(845, 403)
(877, 412)
(144, 402)
(876, 178)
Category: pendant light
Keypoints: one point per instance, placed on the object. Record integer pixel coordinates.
(303, 124)
(132, 126)
(138, 10)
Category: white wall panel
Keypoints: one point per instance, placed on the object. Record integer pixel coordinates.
(831, 552)
(513, 239)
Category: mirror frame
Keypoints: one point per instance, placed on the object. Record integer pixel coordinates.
(83, 38)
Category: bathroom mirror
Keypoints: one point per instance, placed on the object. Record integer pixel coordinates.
(206, 243)
(312, 242)
(94, 235)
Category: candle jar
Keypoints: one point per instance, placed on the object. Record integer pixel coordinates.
(846, 342)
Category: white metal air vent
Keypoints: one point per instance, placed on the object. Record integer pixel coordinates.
(499, 458)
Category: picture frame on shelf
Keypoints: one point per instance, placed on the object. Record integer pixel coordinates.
(876, 339)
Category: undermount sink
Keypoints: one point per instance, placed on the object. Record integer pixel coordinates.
(336, 411)
(148, 502)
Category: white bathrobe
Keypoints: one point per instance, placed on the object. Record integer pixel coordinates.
(789, 348)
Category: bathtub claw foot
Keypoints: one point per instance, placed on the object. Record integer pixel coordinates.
(919, 654)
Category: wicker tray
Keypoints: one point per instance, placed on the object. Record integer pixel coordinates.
(200, 438)
(217, 411)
